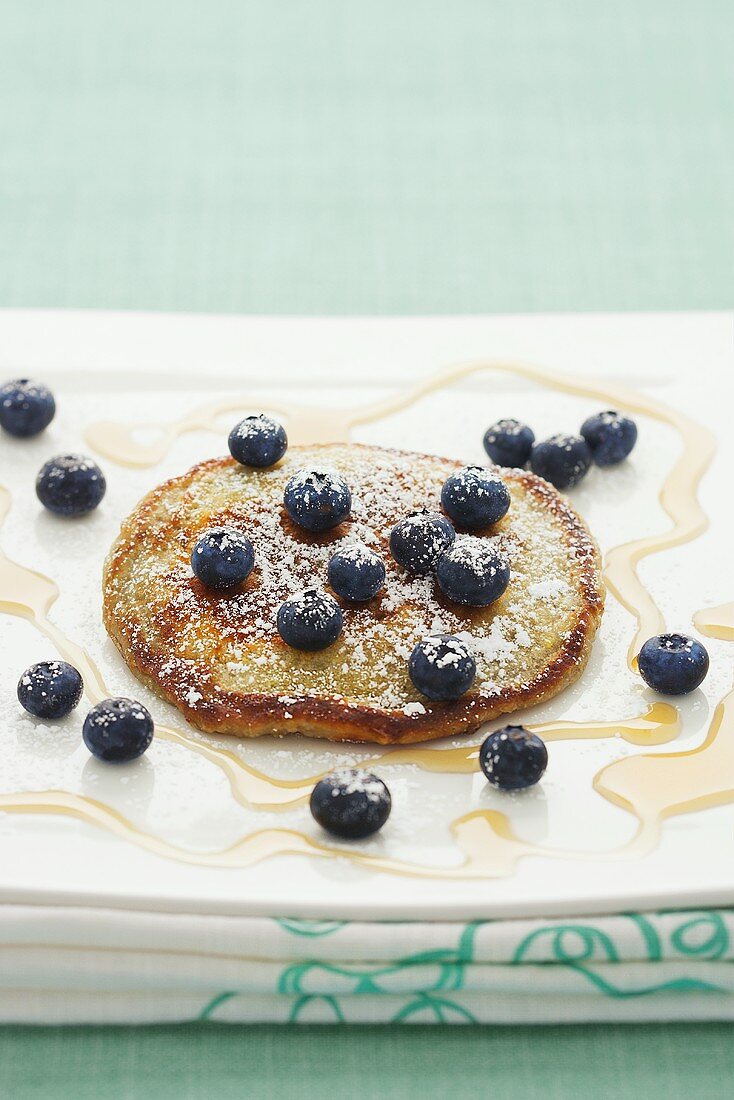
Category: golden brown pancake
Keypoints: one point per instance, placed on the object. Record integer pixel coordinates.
(219, 658)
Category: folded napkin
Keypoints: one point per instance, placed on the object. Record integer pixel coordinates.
(84, 965)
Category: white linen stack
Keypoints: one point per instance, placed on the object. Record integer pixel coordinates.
(90, 965)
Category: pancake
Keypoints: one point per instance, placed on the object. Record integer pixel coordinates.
(219, 658)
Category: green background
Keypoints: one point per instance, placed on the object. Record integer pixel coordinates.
(389, 156)
(374, 156)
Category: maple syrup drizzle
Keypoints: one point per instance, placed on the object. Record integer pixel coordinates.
(650, 787)
(653, 787)
(120, 442)
(484, 839)
(659, 724)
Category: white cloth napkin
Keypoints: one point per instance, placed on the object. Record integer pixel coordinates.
(83, 965)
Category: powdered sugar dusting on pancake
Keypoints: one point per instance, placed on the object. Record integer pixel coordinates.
(200, 645)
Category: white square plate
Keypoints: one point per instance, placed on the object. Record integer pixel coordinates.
(577, 847)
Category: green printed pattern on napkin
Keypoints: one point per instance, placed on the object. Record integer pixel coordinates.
(625, 957)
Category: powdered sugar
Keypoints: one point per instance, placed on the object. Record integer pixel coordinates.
(547, 589)
(357, 781)
(217, 643)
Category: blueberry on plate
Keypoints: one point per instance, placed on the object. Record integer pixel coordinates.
(351, 803)
(475, 497)
(513, 758)
(610, 437)
(317, 500)
(561, 459)
(118, 730)
(70, 485)
(222, 558)
(509, 442)
(26, 407)
(356, 573)
(310, 620)
(442, 667)
(673, 664)
(258, 441)
(473, 572)
(418, 540)
(50, 689)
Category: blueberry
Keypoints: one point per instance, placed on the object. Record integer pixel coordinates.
(475, 497)
(418, 541)
(351, 803)
(610, 437)
(50, 689)
(26, 407)
(310, 620)
(222, 558)
(317, 500)
(562, 459)
(509, 442)
(258, 441)
(442, 667)
(472, 572)
(118, 730)
(356, 572)
(673, 664)
(513, 758)
(70, 485)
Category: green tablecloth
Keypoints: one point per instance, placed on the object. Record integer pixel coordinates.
(374, 156)
(214, 1062)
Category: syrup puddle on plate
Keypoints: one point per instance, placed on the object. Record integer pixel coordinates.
(716, 622)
